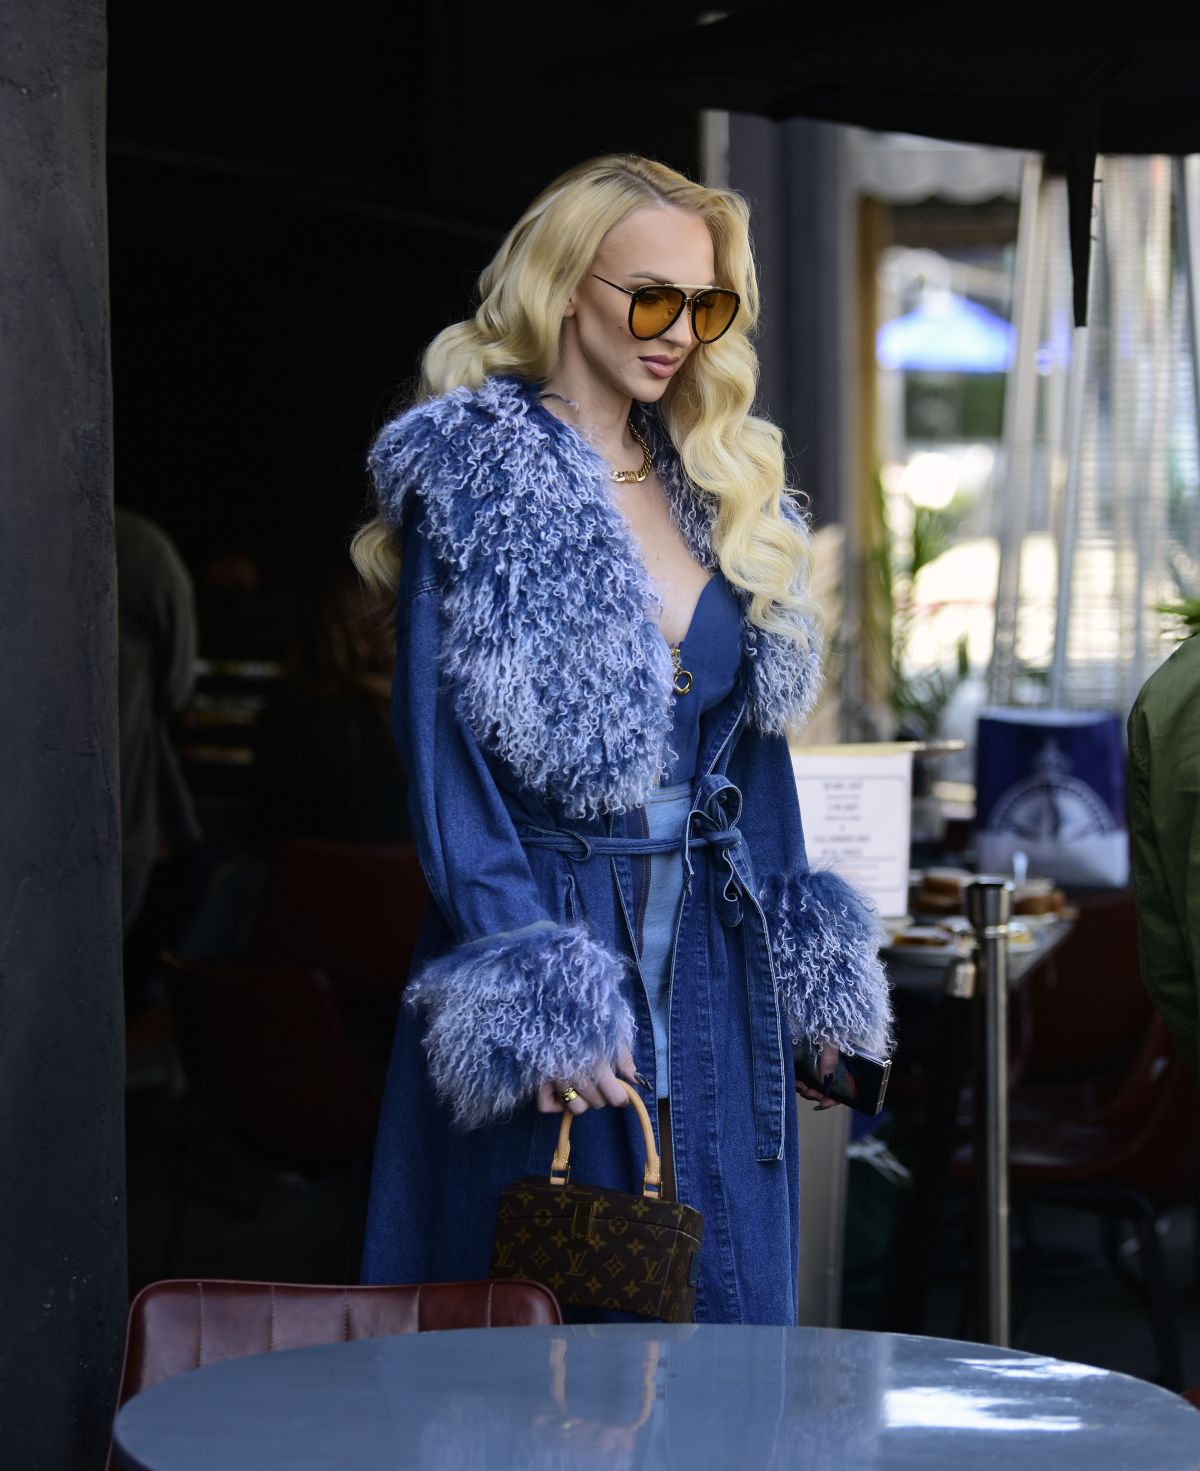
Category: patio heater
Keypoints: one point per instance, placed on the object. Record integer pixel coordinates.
(1098, 524)
(1098, 504)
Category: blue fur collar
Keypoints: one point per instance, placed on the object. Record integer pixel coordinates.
(551, 637)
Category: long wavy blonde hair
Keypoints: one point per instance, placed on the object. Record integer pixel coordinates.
(723, 447)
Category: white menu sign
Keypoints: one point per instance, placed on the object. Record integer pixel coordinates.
(856, 806)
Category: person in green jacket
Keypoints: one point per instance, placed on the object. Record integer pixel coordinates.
(1164, 830)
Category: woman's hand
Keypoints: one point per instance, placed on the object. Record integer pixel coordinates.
(602, 1088)
(827, 1060)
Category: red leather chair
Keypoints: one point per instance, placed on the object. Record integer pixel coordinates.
(269, 1073)
(1087, 1003)
(1076, 1020)
(179, 1325)
(264, 1052)
(1131, 1160)
(351, 910)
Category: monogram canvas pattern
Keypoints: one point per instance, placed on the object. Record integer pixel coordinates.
(600, 1248)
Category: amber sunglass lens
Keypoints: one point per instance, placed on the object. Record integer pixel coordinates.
(654, 309)
(715, 311)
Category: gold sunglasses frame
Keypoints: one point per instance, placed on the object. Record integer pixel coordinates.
(688, 304)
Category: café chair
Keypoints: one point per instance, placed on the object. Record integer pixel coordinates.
(1074, 1024)
(1083, 1007)
(1075, 1021)
(268, 1073)
(179, 1325)
(1131, 1161)
(350, 910)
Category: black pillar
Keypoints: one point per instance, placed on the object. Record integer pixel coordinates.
(794, 175)
(62, 1227)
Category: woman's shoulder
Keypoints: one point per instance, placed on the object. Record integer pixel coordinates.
(447, 441)
(454, 415)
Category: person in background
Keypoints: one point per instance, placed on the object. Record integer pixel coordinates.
(240, 603)
(156, 635)
(1164, 833)
(325, 763)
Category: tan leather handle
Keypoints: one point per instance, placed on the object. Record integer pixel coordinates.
(651, 1180)
(651, 1356)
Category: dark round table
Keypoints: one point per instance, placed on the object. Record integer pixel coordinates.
(689, 1397)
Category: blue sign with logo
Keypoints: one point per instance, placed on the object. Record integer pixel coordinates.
(1051, 784)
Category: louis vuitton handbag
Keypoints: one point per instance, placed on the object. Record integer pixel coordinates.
(598, 1248)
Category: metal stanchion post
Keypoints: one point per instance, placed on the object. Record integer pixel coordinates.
(989, 903)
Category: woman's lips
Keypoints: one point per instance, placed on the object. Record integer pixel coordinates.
(660, 367)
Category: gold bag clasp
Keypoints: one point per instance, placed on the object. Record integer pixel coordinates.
(582, 1221)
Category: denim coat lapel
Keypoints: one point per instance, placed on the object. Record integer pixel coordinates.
(551, 619)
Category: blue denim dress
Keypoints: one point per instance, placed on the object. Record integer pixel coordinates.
(711, 653)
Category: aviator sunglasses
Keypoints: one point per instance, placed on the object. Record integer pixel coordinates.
(654, 310)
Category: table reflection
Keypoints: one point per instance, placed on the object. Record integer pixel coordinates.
(928, 1408)
(655, 1396)
(663, 1395)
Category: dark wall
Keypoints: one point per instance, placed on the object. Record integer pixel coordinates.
(62, 1240)
(793, 175)
(298, 205)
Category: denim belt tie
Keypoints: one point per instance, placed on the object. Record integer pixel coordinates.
(716, 809)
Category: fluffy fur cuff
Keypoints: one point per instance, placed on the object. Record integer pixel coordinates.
(511, 1012)
(825, 941)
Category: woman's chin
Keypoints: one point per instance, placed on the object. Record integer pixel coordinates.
(646, 390)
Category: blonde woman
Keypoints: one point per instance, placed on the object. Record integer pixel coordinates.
(603, 637)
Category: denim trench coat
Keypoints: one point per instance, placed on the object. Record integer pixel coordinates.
(531, 700)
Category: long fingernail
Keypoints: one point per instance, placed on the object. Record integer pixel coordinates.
(641, 1082)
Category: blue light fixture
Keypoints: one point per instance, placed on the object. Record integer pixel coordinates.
(946, 333)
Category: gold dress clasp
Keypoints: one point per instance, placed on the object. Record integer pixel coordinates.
(683, 679)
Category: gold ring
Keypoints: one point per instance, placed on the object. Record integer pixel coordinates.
(568, 1093)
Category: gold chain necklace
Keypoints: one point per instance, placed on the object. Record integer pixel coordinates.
(682, 681)
(635, 477)
(622, 477)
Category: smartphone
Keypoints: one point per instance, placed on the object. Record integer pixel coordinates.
(859, 1080)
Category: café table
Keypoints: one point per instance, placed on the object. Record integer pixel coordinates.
(910, 973)
(927, 984)
(650, 1395)
(948, 1050)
